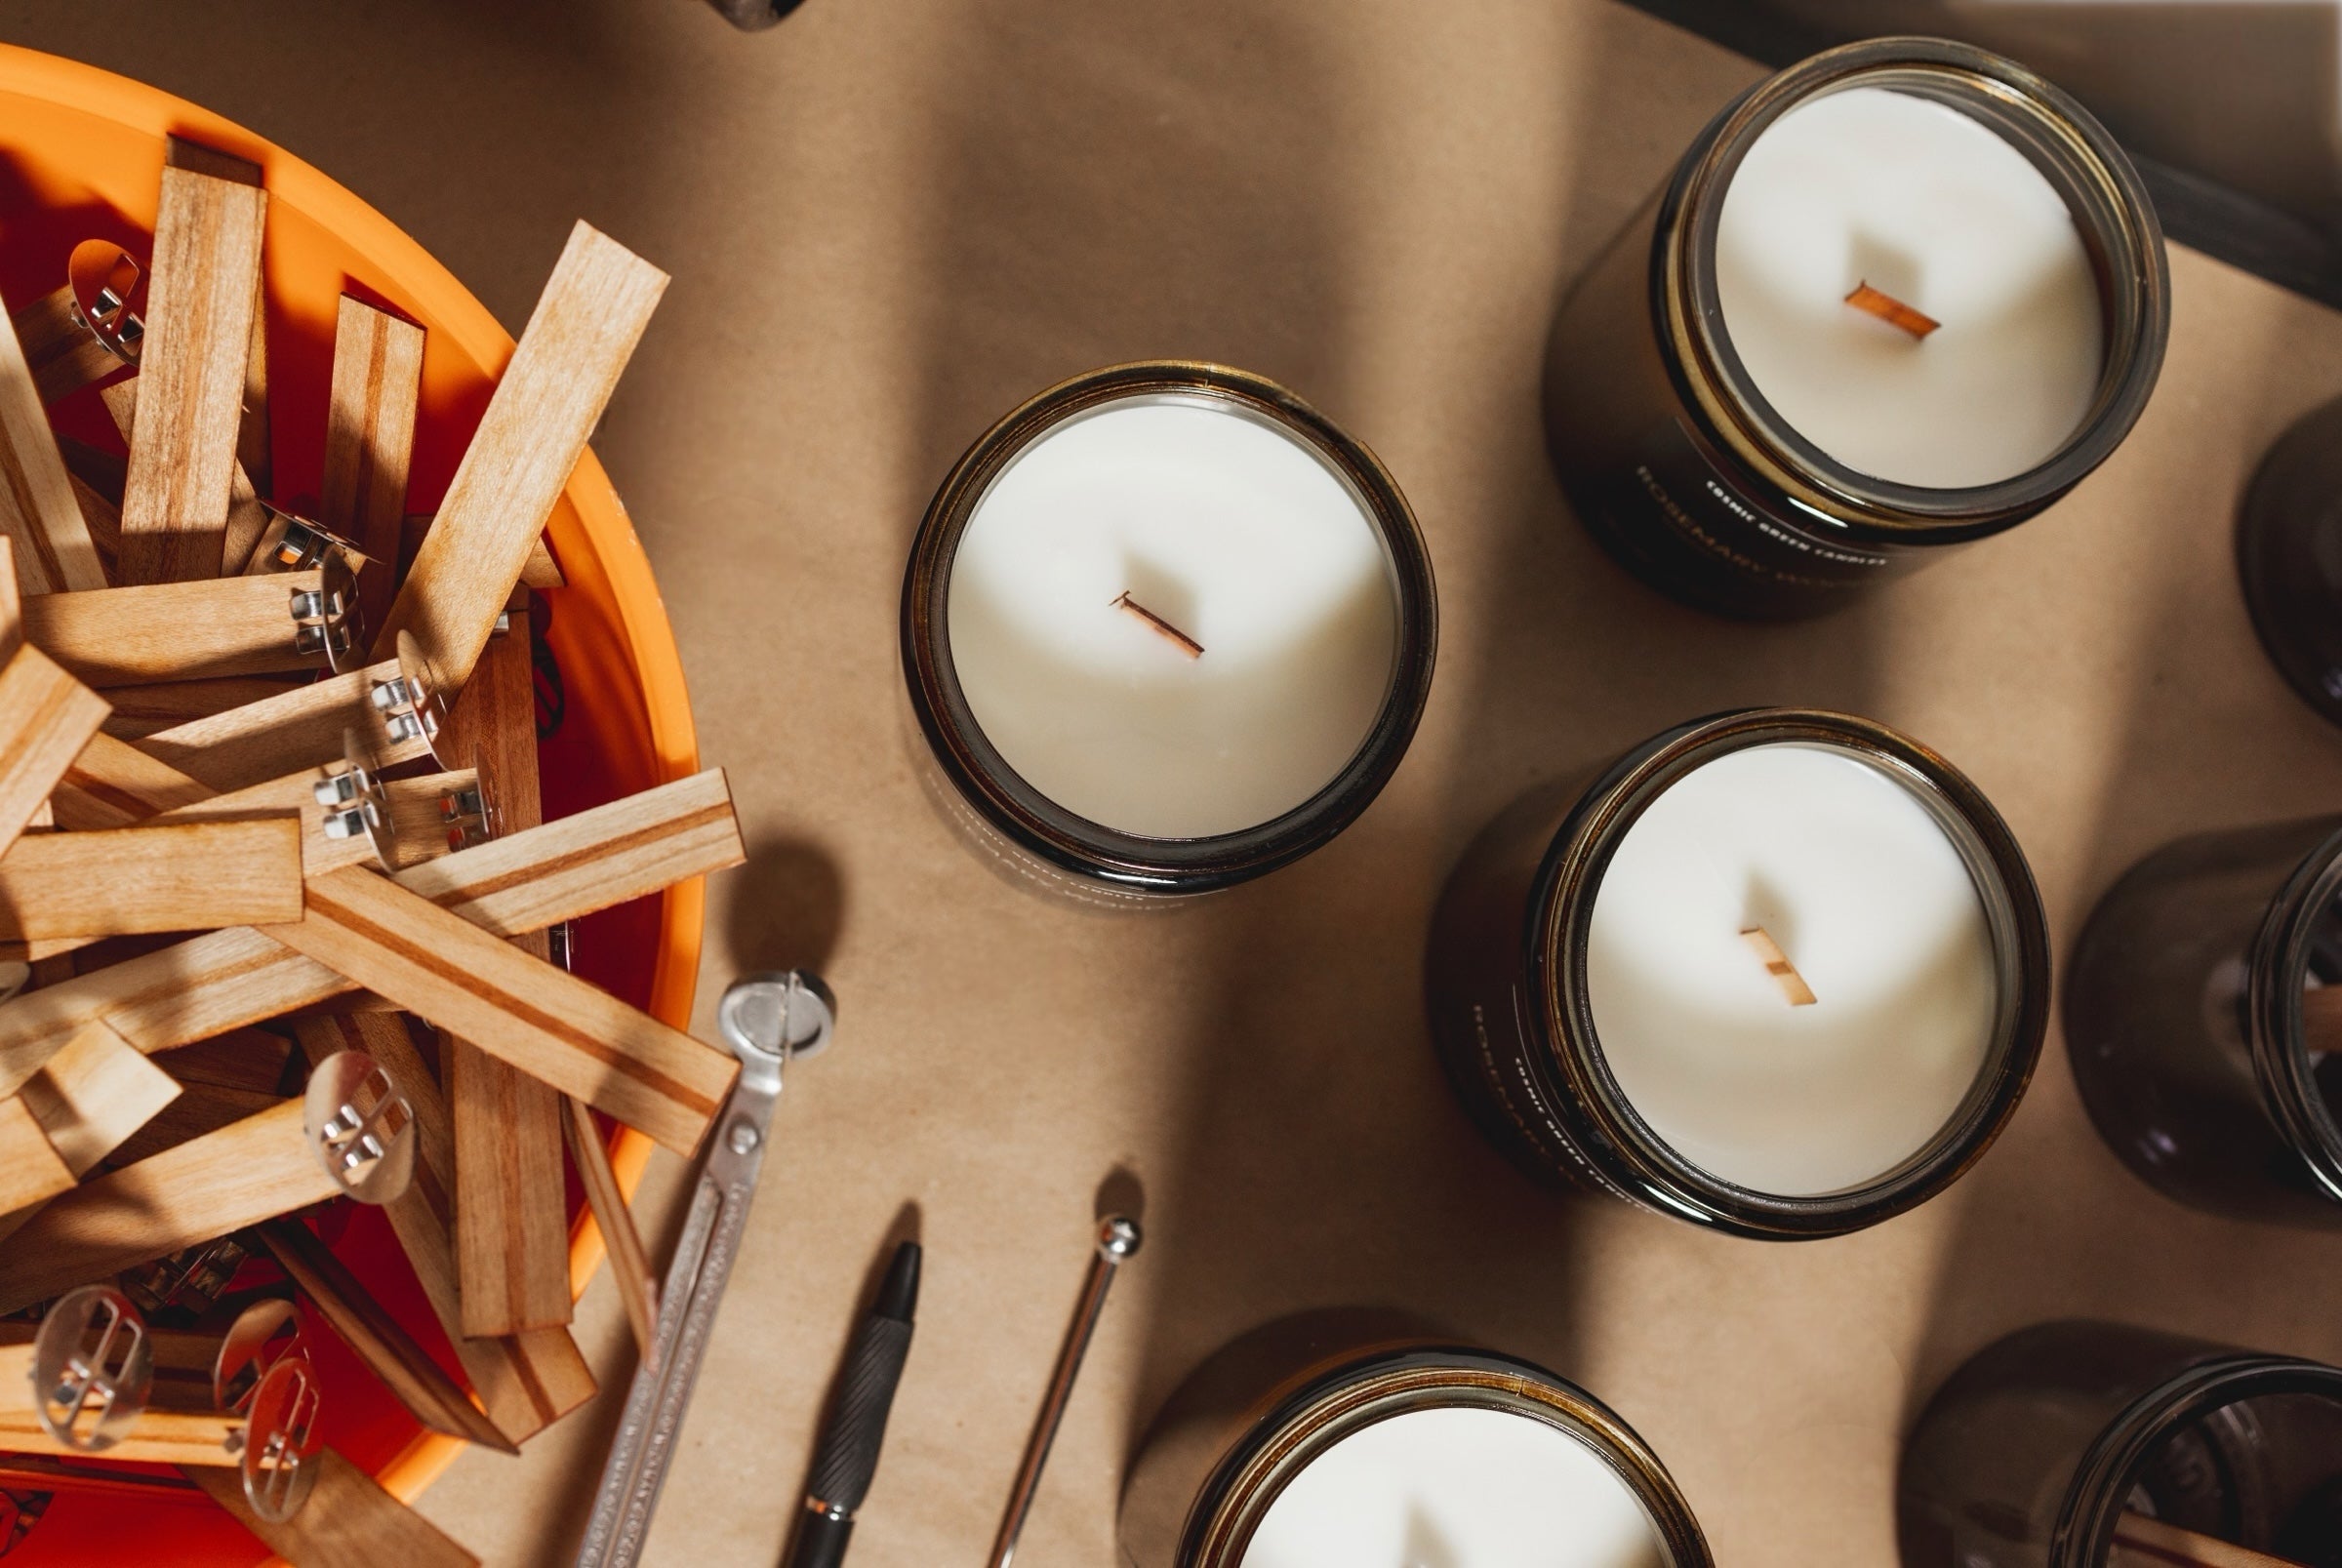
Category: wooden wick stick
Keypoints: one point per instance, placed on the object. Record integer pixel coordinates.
(47, 720)
(1776, 964)
(369, 441)
(389, 1351)
(349, 1522)
(629, 1265)
(2322, 1018)
(200, 295)
(2141, 1541)
(1891, 310)
(1185, 644)
(525, 1381)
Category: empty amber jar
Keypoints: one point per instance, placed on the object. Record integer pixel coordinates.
(2289, 558)
(2184, 1022)
(2031, 1453)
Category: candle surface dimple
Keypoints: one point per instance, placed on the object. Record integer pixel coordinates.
(1933, 208)
(1866, 894)
(1228, 529)
(1456, 1488)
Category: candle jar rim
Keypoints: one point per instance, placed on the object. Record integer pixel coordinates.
(2277, 967)
(1128, 863)
(1300, 1424)
(2084, 1532)
(2065, 143)
(1575, 1075)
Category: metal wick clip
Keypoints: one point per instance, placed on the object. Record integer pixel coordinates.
(357, 803)
(325, 619)
(292, 543)
(768, 1020)
(103, 275)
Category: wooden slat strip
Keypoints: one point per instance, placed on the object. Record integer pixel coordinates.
(38, 511)
(93, 1094)
(578, 339)
(539, 572)
(161, 1435)
(526, 1380)
(349, 1523)
(182, 876)
(173, 631)
(223, 980)
(511, 1210)
(47, 718)
(63, 356)
(389, 1351)
(31, 1170)
(199, 309)
(141, 711)
(112, 785)
(255, 1170)
(299, 728)
(582, 1041)
(419, 834)
(369, 440)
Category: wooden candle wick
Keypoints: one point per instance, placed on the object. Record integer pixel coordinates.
(1186, 644)
(1776, 964)
(2141, 1541)
(1891, 310)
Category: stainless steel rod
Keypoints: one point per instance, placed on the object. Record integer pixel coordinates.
(1118, 1239)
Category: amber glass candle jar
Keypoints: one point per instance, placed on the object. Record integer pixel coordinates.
(1165, 629)
(2185, 1018)
(1698, 482)
(2047, 1443)
(2289, 558)
(1353, 1435)
(1645, 1053)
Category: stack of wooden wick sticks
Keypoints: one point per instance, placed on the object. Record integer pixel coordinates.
(263, 804)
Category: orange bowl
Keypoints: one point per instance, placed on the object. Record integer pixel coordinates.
(81, 153)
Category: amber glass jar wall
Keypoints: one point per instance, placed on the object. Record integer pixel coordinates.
(1031, 836)
(2289, 558)
(1506, 984)
(1257, 1413)
(2030, 1453)
(1685, 472)
(2183, 1020)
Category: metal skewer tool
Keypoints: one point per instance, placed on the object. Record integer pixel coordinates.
(1118, 1239)
(768, 1020)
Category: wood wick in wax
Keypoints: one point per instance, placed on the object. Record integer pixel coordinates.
(1186, 644)
(1887, 309)
(1776, 964)
(2144, 1543)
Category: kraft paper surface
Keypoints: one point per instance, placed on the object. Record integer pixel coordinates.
(889, 222)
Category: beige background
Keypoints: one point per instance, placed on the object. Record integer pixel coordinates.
(890, 219)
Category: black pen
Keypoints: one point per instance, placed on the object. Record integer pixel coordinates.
(847, 1454)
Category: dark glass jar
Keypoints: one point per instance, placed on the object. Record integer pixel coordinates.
(1513, 1021)
(2289, 558)
(1257, 1413)
(1673, 458)
(1038, 840)
(2184, 1022)
(2030, 1455)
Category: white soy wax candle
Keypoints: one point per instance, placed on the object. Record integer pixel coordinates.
(1931, 208)
(1166, 627)
(1777, 971)
(1863, 891)
(1895, 300)
(1456, 1488)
